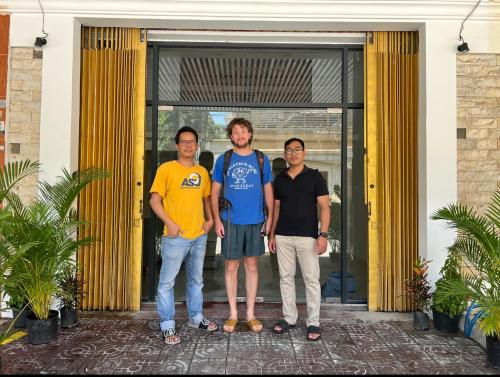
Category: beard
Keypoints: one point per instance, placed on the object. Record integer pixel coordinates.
(241, 144)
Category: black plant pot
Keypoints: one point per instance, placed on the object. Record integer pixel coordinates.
(420, 321)
(41, 331)
(443, 322)
(493, 351)
(69, 317)
(20, 322)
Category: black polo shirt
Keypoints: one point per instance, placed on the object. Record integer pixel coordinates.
(298, 202)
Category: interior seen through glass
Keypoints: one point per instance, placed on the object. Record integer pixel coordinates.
(321, 131)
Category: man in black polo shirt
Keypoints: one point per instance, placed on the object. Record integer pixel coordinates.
(298, 192)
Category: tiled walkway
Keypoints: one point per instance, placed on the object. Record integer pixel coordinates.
(132, 344)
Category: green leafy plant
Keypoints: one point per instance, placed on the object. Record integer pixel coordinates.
(16, 299)
(418, 287)
(48, 225)
(70, 291)
(10, 254)
(478, 243)
(449, 304)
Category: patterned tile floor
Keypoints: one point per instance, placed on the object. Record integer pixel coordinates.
(117, 343)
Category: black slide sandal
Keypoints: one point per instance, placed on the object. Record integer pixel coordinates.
(313, 330)
(284, 325)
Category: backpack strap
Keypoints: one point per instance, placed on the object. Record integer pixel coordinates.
(223, 202)
(227, 159)
(260, 159)
(222, 193)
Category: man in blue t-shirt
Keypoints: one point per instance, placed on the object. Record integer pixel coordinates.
(242, 226)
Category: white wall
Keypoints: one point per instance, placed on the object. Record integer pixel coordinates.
(439, 177)
(482, 37)
(438, 23)
(59, 118)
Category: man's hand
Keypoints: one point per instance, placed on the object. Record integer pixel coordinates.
(321, 245)
(271, 243)
(219, 228)
(207, 225)
(173, 229)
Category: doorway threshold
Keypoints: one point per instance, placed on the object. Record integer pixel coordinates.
(266, 310)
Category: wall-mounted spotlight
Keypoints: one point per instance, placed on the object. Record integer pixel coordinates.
(40, 41)
(464, 47)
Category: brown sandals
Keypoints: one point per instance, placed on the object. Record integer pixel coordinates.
(254, 325)
(230, 325)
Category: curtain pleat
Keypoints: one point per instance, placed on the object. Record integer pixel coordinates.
(112, 137)
(391, 118)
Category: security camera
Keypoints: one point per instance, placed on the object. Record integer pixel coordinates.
(463, 47)
(40, 41)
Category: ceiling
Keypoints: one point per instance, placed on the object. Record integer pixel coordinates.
(242, 77)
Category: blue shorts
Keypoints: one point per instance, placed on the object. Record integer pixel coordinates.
(246, 241)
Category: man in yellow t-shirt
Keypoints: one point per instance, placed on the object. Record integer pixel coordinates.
(180, 197)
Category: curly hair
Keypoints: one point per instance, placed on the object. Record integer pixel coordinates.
(240, 122)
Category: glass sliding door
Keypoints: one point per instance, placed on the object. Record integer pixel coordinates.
(285, 94)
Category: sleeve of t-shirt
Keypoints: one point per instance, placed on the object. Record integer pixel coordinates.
(321, 187)
(205, 178)
(160, 181)
(276, 186)
(217, 172)
(268, 175)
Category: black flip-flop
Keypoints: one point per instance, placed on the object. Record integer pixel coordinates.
(313, 330)
(285, 327)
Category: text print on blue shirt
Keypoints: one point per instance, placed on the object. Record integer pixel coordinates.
(239, 173)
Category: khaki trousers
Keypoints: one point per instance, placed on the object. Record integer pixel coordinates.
(288, 248)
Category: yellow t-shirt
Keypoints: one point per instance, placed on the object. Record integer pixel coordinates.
(182, 189)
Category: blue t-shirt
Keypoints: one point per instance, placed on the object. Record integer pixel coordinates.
(243, 187)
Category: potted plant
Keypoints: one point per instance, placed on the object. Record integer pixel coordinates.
(11, 175)
(48, 225)
(478, 243)
(447, 309)
(70, 296)
(417, 287)
(17, 302)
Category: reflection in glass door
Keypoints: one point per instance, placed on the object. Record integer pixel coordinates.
(333, 135)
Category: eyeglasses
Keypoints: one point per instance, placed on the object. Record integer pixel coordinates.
(293, 150)
(187, 142)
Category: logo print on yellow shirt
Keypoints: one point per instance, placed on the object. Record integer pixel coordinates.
(194, 180)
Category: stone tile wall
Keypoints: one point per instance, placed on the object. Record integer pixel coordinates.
(478, 123)
(23, 134)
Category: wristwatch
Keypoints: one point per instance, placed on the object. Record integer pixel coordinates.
(323, 234)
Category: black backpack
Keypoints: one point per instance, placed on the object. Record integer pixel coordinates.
(223, 202)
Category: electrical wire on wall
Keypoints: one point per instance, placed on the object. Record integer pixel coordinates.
(464, 47)
(42, 41)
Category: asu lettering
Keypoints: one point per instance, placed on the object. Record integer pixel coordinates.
(193, 181)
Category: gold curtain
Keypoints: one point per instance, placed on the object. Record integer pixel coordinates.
(112, 137)
(391, 118)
